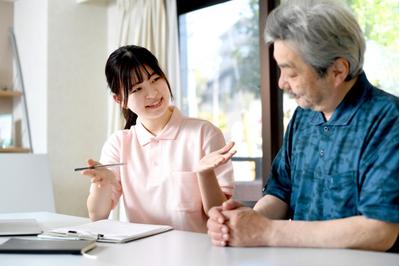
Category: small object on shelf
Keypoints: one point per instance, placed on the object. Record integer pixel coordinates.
(10, 93)
(6, 124)
(14, 150)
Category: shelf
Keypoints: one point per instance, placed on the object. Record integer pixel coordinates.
(95, 2)
(14, 150)
(10, 93)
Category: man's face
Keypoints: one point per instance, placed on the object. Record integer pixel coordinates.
(300, 80)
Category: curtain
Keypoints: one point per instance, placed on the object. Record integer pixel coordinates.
(153, 25)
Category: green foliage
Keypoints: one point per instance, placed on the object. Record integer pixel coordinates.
(247, 54)
(379, 19)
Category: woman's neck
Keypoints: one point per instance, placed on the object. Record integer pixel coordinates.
(155, 126)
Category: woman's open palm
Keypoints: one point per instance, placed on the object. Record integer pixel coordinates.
(216, 158)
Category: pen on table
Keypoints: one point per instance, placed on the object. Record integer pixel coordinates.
(98, 166)
(86, 235)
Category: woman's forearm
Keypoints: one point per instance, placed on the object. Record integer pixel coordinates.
(99, 202)
(211, 193)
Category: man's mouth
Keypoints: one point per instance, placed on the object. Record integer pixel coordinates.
(292, 95)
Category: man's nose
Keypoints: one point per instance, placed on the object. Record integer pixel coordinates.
(282, 83)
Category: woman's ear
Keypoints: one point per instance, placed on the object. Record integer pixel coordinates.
(117, 99)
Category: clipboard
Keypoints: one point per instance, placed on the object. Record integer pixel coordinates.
(108, 231)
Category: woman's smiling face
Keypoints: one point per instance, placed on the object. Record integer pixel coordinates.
(149, 99)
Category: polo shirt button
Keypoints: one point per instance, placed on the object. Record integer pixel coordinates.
(321, 153)
(330, 182)
(326, 129)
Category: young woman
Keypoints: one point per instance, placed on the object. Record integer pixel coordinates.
(176, 167)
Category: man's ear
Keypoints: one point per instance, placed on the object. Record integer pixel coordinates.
(340, 70)
(117, 99)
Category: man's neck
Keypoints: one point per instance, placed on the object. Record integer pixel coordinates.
(338, 97)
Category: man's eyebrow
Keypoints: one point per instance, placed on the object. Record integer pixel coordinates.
(285, 65)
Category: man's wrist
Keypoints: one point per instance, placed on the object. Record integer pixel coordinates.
(270, 233)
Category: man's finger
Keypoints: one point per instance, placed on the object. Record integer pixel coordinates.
(216, 215)
(218, 236)
(218, 243)
(231, 205)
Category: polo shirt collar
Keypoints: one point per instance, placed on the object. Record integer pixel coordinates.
(169, 132)
(348, 106)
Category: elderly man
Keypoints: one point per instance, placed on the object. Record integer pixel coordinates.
(334, 182)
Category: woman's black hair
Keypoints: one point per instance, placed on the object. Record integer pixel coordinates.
(124, 69)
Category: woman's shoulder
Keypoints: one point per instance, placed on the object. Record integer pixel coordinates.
(121, 135)
(201, 124)
(192, 122)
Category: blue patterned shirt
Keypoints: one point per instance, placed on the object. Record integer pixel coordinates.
(343, 167)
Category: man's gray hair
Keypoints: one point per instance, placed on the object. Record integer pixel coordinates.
(321, 31)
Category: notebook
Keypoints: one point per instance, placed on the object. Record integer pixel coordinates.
(19, 227)
(20, 245)
(109, 231)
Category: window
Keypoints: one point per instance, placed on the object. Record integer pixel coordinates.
(379, 22)
(225, 76)
(221, 76)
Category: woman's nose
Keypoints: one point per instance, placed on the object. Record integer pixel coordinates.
(151, 92)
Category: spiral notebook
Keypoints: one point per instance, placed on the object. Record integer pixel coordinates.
(109, 231)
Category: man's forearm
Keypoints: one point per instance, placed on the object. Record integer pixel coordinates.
(272, 207)
(355, 232)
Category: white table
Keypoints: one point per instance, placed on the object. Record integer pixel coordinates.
(179, 248)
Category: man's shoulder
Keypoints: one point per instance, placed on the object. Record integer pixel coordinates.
(384, 98)
(381, 103)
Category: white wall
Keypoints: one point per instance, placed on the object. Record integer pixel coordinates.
(63, 47)
(77, 96)
(30, 27)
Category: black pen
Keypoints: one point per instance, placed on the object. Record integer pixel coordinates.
(98, 166)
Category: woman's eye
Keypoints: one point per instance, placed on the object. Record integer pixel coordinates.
(156, 78)
(135, 89)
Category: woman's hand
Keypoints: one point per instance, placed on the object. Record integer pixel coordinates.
(216, 158)
(101, 176)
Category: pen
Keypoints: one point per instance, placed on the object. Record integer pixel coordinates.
(85, 235)
(98, 166)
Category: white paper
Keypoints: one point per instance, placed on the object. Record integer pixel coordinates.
(107, 231)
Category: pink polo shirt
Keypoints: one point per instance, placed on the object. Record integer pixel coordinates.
(158, 182)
